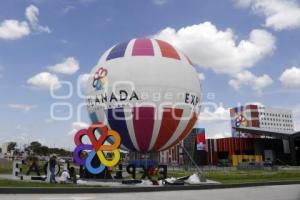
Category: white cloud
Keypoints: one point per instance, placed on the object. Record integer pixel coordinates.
(83, 80)
(12, 29)
(201, 76)
(160, 2)
(21, 138)
(279, 14)
(44, 80)
(32, 13)
(76, 126)
(23, 107)
(246, 78)
(216, 121)
(242, 3)
(211, 111)
(69, 66)
(24, 139)
(290, 78)
(219, 50)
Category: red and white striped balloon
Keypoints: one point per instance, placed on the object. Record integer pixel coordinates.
(147, 91)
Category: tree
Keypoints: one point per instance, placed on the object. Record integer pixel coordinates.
(38, 149)
(11, 146)
(43, 150)
(34, 147)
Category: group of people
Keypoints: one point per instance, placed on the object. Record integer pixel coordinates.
(68, 174)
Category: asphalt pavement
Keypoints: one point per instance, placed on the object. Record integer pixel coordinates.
(279, 192)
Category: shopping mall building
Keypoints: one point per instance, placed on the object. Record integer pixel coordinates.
(259, 134)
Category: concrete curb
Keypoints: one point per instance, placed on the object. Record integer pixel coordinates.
(60, 190)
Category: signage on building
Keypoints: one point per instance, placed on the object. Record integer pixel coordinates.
(200, 139)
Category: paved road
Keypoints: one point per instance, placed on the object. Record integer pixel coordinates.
(283, 192)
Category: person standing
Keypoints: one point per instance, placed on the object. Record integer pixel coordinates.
(52, 164)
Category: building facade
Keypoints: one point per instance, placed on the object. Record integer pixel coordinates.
(276, 119)
(262, 118)
(172, 156)
(4, 148)
(192, 147)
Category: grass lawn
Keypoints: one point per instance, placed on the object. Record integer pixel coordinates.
(253, 176)
(223, 176)
(233, 177)
(6, 167)
(239, 176)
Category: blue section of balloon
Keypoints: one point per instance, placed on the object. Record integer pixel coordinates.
(118, 51)
(117, 121)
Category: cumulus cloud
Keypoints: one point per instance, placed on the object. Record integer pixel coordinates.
(13, 29)
(69, 66)
(210, 111)
(44, 80)
(290, 78)
(83, 80)
(279, 14)
(247, 78)
(23, 107)
(201, 76)
(76, 126)
(32, 13)
(219, 50)
(216, 120)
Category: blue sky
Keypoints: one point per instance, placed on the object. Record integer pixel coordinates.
(245, 51)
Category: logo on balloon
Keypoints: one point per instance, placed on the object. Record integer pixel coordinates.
(100, 78)
(96, 147)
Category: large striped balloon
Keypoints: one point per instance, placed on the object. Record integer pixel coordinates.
(147, 91)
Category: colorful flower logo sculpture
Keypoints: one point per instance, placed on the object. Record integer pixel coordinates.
(97, 147)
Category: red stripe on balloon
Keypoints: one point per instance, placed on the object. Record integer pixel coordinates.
(169, 124)
(186, 131)
(167, 50)
(143, 47)
(143, 123)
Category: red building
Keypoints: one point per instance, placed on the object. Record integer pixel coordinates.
(224, 148)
